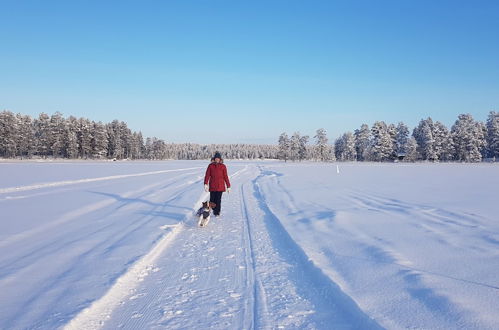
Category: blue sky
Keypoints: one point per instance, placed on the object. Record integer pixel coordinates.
(234, 71)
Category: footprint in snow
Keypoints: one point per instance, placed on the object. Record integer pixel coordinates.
(170, 314)
(137, 296)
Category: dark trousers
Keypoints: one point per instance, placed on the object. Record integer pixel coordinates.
(216, 197)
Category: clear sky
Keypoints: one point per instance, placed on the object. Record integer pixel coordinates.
(245, 71)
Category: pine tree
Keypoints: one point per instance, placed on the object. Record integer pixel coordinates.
(339, 148)
(484, 149)
(84, 135)
(411, 153)
(493, 135)
(42, 135)
(392, 131)
(70, 146)
(362, 142)
(469, 139)
(349, 144)
(443, 144)
(382, 144)
(126, 140)
(345, 147)
(423, 134)
(401, 140)
(294, 146)
(8, 134)
(115, 148)
(99, 141)
(26, 136)
(302, 151)
(136, 145)
(323, 151)
(284, 147)
(56, 135)
(142, 146)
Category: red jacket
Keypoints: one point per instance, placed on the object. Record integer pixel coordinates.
(216, 175)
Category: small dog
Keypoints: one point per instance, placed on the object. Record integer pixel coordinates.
(204, 213)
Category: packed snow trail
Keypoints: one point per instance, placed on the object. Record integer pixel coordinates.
(418, 255)
(83, 239)
(71, 182)
(241, 271)
(299, 245)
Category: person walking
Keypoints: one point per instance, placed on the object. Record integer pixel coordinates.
(216, 181)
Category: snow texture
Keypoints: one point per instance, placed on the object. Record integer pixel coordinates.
(299, 245)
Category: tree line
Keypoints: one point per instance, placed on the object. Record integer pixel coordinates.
(468, 140)
(55, 136)
(22, 136)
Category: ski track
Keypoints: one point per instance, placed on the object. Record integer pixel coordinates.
(71, 182)
(39, 255)
(99, 311)
(325, 305)
(48, 247)
(240, 266)
(78, 213)
(249, 269)
(449, 229)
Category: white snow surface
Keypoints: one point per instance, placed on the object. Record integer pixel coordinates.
(111, 245)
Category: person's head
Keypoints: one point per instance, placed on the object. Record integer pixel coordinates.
(218, 157)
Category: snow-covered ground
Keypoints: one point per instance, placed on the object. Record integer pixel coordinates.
(86, 245)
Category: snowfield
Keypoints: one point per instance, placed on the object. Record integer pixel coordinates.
(110, 245)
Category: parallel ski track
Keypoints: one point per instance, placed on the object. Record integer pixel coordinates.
(102, 246)
(74, 214)
(336, 309)
(257, 300)
(94, 316)
(71, 182)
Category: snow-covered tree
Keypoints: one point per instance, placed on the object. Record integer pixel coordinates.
(8, 134)
(345, 147)
(126, 140)
(362, 142)
(71, 140)
(382, 143)
(294, 146)
(443, 144)
(26, 136)
(157, 148)
(493, 135)
(302, 151)
(137, 145)
(402, 138)
(56, 135)
(469, 139)
(99, 141)
(392, 131)
(423, 134)
(42, 135)
(284, 147)
(411, 152)
(115, 146)
(322, 149)
(84, 135)
(434, 140)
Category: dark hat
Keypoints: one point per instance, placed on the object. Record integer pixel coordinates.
(217, 155)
